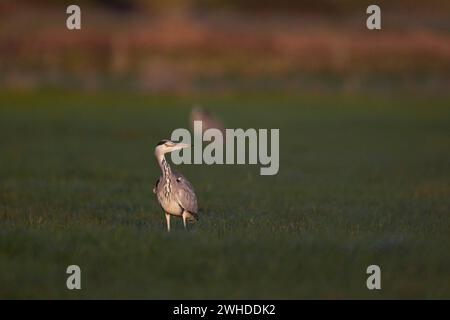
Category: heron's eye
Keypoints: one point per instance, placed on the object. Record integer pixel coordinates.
(161, 142)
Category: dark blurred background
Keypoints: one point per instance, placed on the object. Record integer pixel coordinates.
(213, 46)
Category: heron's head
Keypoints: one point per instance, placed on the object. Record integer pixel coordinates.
(165, 146)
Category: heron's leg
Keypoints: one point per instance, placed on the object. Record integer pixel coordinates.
(184, 215)
(168, 221)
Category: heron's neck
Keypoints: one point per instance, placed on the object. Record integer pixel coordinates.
(165, 167)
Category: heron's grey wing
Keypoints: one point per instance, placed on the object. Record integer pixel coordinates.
(185, 193)
(155, 189)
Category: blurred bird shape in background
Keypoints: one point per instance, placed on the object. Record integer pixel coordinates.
(209, 120)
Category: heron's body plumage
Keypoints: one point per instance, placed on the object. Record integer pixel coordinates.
(175, 193)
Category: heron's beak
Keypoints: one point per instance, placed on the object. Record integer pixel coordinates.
(179, 146)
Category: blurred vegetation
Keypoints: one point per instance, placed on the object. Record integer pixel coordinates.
(186, 45)
(343, 7)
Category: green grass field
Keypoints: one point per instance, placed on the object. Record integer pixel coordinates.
(363, 180)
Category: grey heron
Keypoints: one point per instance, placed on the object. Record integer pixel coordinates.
(174, 192)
